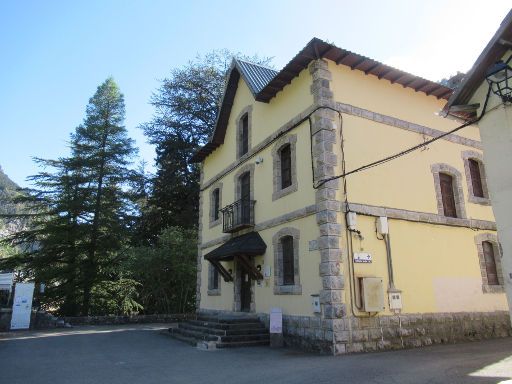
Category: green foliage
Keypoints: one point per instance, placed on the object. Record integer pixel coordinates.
(166, 271)
(115, 297)
(79, 211)
(186, 107)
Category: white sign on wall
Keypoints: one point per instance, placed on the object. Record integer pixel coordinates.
(22, 305)
(276, 320)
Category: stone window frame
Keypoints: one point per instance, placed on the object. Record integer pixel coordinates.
(478, 157)
(279, 192)
(238, 187)
(213, 222)
(211, 290)
(493, 239)
(246, 111)
(458, 193)
(279, 287)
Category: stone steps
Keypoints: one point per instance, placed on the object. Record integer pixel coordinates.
(222, 331)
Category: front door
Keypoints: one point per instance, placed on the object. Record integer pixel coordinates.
(245, 291)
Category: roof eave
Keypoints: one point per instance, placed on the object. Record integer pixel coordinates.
(493, 51)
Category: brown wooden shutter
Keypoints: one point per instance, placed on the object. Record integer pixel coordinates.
(447, 195)
(476, 178)
(288, 262)
(245, 136)
(286, 166)
(490, 263)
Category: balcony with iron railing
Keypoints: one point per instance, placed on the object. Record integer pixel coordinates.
(238, 215)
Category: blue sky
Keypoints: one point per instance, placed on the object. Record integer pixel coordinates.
(55, 53)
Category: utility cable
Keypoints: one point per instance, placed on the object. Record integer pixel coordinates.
(406, 151)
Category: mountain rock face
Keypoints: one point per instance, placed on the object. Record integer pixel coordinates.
(8, 190)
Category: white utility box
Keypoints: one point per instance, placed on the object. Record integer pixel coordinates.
(352, 220)
(267, 271)
(372, 294)
(382, 225)
(315, 302)
(395, 300)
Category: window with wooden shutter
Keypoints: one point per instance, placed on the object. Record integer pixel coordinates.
(447, 195)
(244, 135)
(216, 203)
(288, 262)
(490, 263)
(286, 166)
(476, 178)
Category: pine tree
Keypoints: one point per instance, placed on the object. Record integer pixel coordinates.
(80, 210)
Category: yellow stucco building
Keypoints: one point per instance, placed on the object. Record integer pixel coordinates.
(403, 253)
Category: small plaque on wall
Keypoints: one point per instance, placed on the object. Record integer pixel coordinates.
(362, 257)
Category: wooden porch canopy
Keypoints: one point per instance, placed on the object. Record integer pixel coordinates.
(240, 248)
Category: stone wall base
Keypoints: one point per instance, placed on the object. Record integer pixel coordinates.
(367, 334)
(416, 330)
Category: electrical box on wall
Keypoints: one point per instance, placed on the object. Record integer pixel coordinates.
(352, 220)
(315, 302)
(382, 225)
(267, 272)
(372, 294)
(395, 300)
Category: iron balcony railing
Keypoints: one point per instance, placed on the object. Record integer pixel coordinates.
(238, 215)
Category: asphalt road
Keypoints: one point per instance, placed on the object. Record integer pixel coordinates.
(141, 354)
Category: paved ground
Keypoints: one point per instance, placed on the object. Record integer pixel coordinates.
(141, 354)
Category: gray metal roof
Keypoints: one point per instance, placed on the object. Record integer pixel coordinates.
(257, 76)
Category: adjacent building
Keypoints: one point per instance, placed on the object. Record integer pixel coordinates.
(486, 96)
(396, 253)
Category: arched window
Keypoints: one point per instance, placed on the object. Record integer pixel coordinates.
(286, 166)
(476, 178)
(243, 131)
(489, 256)
(448, 188)
(216, 203)
(286, 262)
(244, 135)
(447, 195)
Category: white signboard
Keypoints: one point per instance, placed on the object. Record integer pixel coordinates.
(362, 257)
(6, 281)
(22, 306)
(276, 320)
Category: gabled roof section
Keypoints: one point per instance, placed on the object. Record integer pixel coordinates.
(265, 83)
(319, 49)
(256, 76)
(494, 51)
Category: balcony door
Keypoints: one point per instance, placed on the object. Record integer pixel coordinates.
(245, 197)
